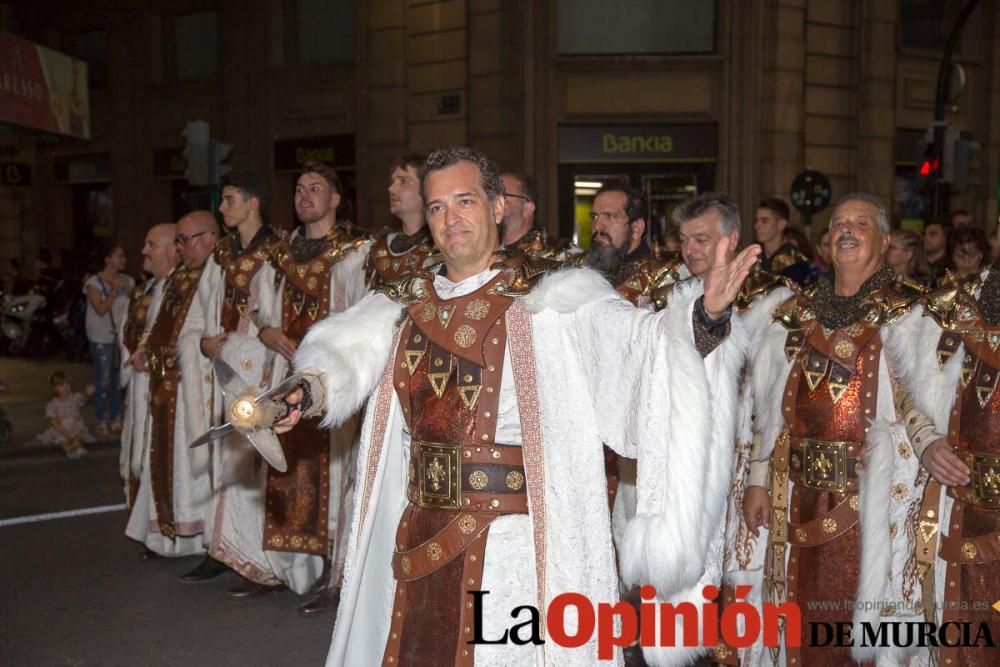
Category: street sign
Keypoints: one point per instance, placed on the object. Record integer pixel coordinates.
(810, 192)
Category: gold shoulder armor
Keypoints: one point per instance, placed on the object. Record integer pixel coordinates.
(948, 305)
(795, 311)
(410, 289)
(896, 300)
(759, 283)
(525, 271)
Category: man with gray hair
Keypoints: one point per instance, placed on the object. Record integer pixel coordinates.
(703, 221)
(827, 404)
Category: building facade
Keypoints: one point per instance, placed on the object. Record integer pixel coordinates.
(678, 97)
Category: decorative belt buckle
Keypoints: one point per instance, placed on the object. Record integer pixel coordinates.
(155, 364)
(986, 479)
(439, 469)
(825, 465)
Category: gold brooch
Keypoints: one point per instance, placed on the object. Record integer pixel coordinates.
(434, 551)
(478, 480)
(800, 535)
(829, 525)
(467, 524)
(465, 336)
(844, 349)
(899, 491)
(969, 550)
(477, 309)
(515, 480)
(405, 565)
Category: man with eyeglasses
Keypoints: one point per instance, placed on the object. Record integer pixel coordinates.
(517, 229)
(396, 253)
(178, 409)
(304, 525)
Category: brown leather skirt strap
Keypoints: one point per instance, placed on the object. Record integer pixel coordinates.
(442, 548)
(825, 528)
(982, 549)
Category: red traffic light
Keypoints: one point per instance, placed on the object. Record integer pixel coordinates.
(929, 166)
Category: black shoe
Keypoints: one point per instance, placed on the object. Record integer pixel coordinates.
(326, 602)
(251, 589)
(207, 569)
(149, 554)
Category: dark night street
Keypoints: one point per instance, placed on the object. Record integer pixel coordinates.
(76, 593)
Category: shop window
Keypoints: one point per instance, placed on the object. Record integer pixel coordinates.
(610, 27)
(92, 47)
(195, 46)
(319, 31)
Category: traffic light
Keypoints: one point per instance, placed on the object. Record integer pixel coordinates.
(219, 153)
(196, 152)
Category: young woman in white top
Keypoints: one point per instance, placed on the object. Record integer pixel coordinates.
(107, 301)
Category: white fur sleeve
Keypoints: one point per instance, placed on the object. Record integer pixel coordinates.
(349, 350)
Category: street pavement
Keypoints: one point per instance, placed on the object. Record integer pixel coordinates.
(74, 592)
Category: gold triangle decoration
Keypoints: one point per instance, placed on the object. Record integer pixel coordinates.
(837, 389)
(983, 395)
(470, 394)
(827, 332)
(301, 270)
(927, 530)
(444, 315)
(438, 382)
(412, 358)
(966, 376)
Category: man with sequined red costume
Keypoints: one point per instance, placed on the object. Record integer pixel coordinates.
(821, 473)
(394, 254)
(319, 270)
(481, 465)
(950, 361)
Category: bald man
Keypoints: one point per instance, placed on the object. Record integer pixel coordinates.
(159, 257)
(168, 514)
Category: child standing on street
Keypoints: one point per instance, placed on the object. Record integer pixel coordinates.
(67, 430)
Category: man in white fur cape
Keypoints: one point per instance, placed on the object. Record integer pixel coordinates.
(822, 475)
(949, 360)
(481, 465)
(704, 221)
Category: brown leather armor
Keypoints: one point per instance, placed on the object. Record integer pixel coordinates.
(238, 270)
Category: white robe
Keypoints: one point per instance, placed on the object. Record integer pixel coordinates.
(136, 386)
(588, 368)
(240, 541)
(191, 488)
(235, 468)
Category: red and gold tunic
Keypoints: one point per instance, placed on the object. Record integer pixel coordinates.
(830, 396)
(297, 500)
(164, 381)
(392, 256)
(239, 266)
(450, 358)
(971, 546)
